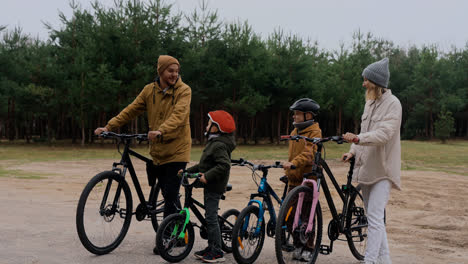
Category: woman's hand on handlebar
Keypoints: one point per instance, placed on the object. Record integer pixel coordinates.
(152, 135)
(99, 130)
(351, 138)
(346, 157)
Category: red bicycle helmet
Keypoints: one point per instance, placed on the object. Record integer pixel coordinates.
(224, 121)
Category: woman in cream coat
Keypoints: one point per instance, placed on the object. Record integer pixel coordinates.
(377, 152)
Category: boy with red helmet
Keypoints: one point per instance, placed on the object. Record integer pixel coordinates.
(214, 167)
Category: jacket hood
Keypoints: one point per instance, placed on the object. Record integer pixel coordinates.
(227, 139)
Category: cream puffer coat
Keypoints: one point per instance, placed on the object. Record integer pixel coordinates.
(378, 153)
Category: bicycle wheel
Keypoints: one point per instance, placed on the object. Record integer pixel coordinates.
(157, 214)
(246, 246)
(171, 247)
(297, 246)
(356, 224)
(226, 229)
(104, 213)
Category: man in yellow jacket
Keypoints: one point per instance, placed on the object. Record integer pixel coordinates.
(167, 102)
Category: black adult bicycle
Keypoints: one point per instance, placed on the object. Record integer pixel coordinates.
(300, 216)
(176, 236)
(105, 207)
(249, 230)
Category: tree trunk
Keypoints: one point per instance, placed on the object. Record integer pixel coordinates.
(10, 130)
(272, 132)
(252, 128)
(339, 131)
(83, 135)
(356, 126)
(201, 125)
(278, 128)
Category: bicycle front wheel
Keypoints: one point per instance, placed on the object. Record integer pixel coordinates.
(297, 245)
(104, 213)
(171, 245)
(248, 243)
(356, 224)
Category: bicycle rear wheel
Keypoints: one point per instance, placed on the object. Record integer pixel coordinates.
(170, 245)
(226, 227)
(104, 213)
(246, 246)
(297, 246)
(356, 224)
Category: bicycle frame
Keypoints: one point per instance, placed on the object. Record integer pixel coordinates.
(127, 164)
(344, 192)
(191, 203)
(264, 191)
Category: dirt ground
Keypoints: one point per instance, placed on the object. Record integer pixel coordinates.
(427, 222)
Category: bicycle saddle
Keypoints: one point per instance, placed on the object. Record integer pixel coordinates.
(284, 179)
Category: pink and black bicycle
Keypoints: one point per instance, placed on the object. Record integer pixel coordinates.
(299, 226)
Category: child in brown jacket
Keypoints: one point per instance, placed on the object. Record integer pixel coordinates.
(301, 155)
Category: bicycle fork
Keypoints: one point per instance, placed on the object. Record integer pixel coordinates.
(182, 234)
(300, 201)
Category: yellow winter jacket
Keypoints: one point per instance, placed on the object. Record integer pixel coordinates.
(168, 112)
(301, 154)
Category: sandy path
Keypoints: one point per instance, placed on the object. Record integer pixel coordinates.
(427, 221)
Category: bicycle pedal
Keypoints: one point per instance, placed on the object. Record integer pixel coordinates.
(325, 250)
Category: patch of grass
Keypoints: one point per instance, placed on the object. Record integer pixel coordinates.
(20, 174)
(435, 156)
(416, 155)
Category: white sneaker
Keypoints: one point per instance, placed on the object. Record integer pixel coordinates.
(384, 260)
(297, 254)
(306, 256)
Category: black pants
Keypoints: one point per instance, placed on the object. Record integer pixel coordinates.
(170, 185)
(212, 224)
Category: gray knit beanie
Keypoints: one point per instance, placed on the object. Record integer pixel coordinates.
(378, 73)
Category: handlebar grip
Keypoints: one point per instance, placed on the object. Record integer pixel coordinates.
(285, 137)
(356, 140)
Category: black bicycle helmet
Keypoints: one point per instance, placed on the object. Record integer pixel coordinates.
(306, 105)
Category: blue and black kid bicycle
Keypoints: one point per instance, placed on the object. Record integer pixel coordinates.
(249, 230)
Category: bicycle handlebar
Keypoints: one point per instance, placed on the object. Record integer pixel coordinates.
(242, 162)
(139, 137)
(337, 139)
(189, 175)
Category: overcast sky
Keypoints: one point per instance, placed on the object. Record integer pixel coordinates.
(330, 22)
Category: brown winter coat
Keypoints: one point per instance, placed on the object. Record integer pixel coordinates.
(378, 153)
(169, 113)
(301, 154)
